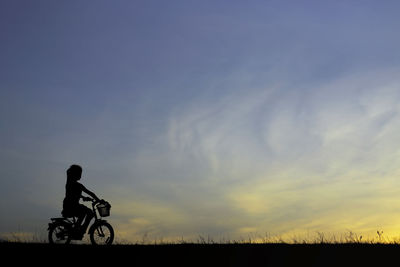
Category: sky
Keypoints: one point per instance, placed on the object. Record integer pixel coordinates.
(220, 119)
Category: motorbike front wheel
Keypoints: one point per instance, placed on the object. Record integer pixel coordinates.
(101, 233)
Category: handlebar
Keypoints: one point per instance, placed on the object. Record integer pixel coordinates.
(94, 202)
(87, 199)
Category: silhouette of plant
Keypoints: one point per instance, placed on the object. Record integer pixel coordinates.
(380, 234)
(321, 237)
(353, 238)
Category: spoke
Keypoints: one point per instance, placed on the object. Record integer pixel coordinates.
(102, 235)
(100, 231)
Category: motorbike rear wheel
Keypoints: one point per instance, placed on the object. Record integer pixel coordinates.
(59, 233)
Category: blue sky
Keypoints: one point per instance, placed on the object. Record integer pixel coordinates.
(218, 118)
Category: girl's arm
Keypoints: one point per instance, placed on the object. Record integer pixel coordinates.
(90, 193)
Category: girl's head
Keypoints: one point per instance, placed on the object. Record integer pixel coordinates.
(74, 172)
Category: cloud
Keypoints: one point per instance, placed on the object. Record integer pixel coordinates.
(279, 160)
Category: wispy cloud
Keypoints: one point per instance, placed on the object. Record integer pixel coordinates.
(279, 160)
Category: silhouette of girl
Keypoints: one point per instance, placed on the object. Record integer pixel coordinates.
(73, 193)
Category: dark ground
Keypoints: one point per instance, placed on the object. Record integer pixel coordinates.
(202, 255)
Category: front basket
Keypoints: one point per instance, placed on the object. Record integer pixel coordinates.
(104, 209)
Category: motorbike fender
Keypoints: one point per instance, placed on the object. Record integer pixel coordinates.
(55, 221)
